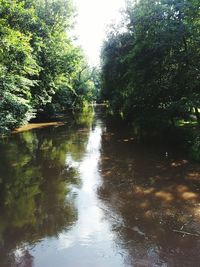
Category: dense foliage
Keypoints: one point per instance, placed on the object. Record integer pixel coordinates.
(151, 65)
(41, 70)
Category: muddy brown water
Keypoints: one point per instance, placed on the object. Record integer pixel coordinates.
(87, 195)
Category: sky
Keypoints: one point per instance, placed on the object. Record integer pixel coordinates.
(93, 17)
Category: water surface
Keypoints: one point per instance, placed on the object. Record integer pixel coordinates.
(87, 194)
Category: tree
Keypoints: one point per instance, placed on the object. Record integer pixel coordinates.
(150, 70)
(39, 62)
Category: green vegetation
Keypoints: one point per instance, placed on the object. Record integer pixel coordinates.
(41, 70)
(150, 72)
(151, 65)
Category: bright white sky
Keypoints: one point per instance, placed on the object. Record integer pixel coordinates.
(93, 18)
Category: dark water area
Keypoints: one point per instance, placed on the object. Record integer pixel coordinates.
(86, 194)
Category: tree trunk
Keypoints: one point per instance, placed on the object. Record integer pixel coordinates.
(197, 115)
(173, 123)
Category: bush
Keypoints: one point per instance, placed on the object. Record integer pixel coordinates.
(15, 111)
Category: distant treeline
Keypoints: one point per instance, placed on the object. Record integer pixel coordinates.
(41, 70)
(151, 64)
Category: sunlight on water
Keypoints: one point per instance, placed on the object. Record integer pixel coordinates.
(91, 231)
(90, 239)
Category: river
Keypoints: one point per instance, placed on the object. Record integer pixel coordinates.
(86, 194)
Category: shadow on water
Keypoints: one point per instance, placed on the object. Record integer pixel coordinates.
(35, 188)
(152, 200)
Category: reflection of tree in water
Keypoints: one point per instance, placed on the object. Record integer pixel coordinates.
(85, 117)
(147, 196)
(35, 181)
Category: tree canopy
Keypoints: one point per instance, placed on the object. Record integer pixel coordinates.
(41, 70)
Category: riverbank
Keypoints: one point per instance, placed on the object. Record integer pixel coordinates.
(32, 126)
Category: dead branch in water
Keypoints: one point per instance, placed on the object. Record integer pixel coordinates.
(186, 233)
